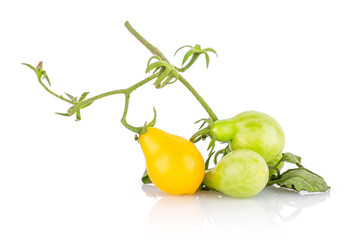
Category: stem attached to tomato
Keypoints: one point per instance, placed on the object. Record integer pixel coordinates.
(157, 52)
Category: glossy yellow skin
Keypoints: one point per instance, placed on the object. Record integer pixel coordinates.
(173, 163)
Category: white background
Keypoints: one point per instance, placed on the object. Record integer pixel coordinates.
(59, 179)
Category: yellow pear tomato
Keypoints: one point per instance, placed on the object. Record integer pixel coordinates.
(173, 163)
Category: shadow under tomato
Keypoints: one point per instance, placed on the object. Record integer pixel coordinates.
(175, 215)
(209, 212)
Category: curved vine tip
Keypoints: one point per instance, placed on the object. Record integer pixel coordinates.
(195, 52)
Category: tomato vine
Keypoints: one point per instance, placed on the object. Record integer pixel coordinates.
(164, 73)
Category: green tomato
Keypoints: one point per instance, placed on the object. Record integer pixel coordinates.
(251, 130)
(242, 173)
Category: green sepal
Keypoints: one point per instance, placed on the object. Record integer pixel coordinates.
(196, 51)
(152, 66)
(301, 179)
(145, 178)
(63, 114)
(152, 123)
(211, 144)
(162, 76)
(78, 116)
(156, 69)
(83, 96)
(182, 48)
(188, 54)
(46, 77)
(210, 50)
(208, 160)
(156, 57)
(207, 59)
(71, 97)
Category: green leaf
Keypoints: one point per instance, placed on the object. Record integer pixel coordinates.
(30, 66)
(70, 97)
(83, 96)
(145, 178)
(300, 179)
(291, 158)
(47, 78)
(63, 114)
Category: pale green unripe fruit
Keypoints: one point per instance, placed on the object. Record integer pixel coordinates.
(242, 173)
(252, 130)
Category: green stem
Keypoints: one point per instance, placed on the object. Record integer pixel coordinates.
(79, 105)
(52, 93)
(272, 182)
(148, 45)
(157, 52)
(123, 119)
(199, 98)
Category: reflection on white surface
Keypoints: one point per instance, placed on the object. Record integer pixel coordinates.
(219, 214)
